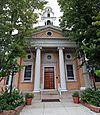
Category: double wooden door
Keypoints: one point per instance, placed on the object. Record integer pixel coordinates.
(49, 81)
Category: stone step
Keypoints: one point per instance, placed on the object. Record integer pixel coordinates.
(50, 96)
(49, 92)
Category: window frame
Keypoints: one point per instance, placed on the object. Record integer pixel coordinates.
(74, 73)
(25, 64)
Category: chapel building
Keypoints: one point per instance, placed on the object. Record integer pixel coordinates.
(50, 62)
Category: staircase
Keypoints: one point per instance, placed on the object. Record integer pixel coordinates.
(50, 95)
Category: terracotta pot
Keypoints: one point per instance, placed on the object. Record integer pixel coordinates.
(28, 101)
(76, 99)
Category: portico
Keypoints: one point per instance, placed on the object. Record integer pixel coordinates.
(50, 56)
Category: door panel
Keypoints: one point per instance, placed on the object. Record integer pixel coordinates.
(49, 78)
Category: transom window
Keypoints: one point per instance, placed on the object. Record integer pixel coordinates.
(27, 72)
(70, 72)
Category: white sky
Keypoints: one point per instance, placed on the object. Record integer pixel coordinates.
(55, 7)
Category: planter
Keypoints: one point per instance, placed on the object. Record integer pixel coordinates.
(12, 112)
(28, 101)
(91, 107)
(76, 100)
(29, 97)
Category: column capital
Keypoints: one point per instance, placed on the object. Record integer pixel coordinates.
(38, 47)
(60, 48)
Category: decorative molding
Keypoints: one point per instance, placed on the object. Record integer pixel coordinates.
(46, 60)
(52, 43)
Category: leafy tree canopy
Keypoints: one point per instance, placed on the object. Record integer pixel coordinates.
(82, 17)
(16, 24)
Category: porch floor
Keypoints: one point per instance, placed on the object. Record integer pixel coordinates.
(64, 107)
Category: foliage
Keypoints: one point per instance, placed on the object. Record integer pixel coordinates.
(16, 25)
(82, 17)
(98, 73)
(10, 101)
(91, 96)
(75, 94)
(29, 95)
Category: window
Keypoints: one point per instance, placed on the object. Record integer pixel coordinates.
(48, 15)
(70, 72)
(49, 57)
(97, 79)
(29, 56)
(49, 33)
(7, 80)
(48, 22)
(27, 72)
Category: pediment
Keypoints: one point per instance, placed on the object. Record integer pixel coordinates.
(48, 32)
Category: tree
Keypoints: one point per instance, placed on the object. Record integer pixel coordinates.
(83, 19)
(78, 16)
(16, 24)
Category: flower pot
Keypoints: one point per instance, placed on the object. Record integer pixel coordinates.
(76, 100)
(28, 101)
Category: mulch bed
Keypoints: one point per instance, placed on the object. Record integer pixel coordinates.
(91, 107)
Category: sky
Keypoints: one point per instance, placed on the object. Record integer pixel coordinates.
(54, 5)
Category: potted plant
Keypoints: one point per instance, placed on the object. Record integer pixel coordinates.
(28, 98)
(75, 96)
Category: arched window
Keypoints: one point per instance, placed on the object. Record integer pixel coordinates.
(48, 22)
(48, 15)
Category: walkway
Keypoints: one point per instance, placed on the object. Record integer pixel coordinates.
(65, 107)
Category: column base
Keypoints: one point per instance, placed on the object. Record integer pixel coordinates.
(38, 91)
(64, 90)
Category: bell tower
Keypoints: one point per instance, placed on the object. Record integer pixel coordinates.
(48, 16)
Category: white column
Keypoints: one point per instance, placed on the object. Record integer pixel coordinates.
(37, 70)
(62, 70)
(9, 80)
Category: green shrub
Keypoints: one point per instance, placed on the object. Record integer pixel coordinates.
(10, 101)
(75, 94)
(91, 96)
(29, 95)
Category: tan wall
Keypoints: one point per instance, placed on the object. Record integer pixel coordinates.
(2, 85)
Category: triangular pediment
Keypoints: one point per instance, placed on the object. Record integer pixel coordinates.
(48, 32)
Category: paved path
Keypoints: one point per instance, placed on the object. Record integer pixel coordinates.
(56, 108)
